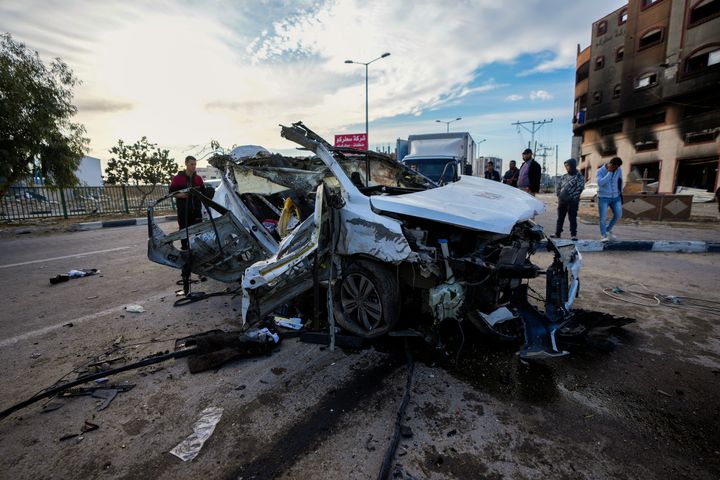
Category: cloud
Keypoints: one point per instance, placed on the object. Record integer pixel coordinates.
(541, 95)
(185, 72)
(514, 98)
(101, 105)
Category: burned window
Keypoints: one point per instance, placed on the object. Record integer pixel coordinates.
(703, 59)
(646, 80)
(650, 119)
(599, 62)
(651, 38)
(623, 17)
(596, 97)
(704, 11)
(646, 145)
(582, 72)
(616, 90)
(602, 28)
(619, 54)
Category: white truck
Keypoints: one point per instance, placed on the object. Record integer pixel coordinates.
(442, 157)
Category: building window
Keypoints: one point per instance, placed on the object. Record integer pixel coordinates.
(602, 28)
(646, 80)
(649, 3)
(646, 145)
(703, 11)
(622, 17)
(582, 72)
(619, 54)
(651, 38)
(650, 119)
(597, 97)
(599, 62)
(616, 91)
(703, 59)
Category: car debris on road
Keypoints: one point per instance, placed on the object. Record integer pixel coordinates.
(391, 249)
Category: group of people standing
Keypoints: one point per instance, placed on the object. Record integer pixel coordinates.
(568, 189)
(526, 178)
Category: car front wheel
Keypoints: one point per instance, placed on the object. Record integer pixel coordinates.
(367, 299)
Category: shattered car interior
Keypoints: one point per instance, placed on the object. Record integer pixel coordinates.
(375, 246)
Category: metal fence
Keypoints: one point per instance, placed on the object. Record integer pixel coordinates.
(21, 203)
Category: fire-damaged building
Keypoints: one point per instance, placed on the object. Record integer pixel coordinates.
(646, 90)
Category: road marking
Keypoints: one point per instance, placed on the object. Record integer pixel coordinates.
(119, 308)
(66, 256)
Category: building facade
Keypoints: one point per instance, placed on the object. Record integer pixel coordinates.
(480, 162)
(647, 89)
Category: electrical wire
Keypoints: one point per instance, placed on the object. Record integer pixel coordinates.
(652, 299)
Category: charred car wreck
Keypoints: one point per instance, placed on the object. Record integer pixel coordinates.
(389, 248)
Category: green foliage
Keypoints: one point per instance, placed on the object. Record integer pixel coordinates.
(35, 118)
(141, 163)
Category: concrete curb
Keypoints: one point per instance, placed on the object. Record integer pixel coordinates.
(120, 223)
(666, 246)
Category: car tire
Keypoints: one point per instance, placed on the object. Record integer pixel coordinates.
(367, 299)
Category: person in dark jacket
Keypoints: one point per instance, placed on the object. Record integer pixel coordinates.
(511, 176)
(568, 189)
(189, 208)
(529, 174)
(491, 173)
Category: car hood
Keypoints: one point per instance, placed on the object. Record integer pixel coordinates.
(471, 202)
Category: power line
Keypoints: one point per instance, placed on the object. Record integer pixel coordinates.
(536, 125)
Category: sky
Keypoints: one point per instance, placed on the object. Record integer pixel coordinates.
(183, 73)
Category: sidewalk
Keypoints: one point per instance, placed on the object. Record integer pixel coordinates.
(695, 231)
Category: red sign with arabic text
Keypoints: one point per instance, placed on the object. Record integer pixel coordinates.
(352, 140)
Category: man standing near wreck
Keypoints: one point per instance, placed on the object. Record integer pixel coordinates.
(511, 176)
(188, 207)
(610, 186)
(568, 189)
(529, 174)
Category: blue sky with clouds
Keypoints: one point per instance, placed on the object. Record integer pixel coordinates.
(185, 72)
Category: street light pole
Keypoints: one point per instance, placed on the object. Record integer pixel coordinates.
(386, 54)
(448, 123)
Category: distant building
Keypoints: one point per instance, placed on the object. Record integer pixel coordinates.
(209, 173)
(89, 173)
(480, 162)
(646, 90)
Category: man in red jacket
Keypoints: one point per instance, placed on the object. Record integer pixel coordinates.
(188, 207)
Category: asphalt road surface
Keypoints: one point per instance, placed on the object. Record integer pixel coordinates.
(647, 408)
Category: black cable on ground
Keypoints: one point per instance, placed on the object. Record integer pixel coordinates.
(392, 448)
(94, 376)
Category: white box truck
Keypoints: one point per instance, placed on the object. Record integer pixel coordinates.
(442, 157)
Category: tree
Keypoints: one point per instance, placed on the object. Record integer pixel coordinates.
(143, 164)
(35, 118)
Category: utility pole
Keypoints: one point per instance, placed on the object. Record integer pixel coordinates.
(535, 126)
(544, 150)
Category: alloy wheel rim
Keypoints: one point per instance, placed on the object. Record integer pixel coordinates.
(361, 302)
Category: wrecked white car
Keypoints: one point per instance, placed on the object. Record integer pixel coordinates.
(388, 248)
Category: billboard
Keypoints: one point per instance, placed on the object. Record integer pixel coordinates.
(352, 140)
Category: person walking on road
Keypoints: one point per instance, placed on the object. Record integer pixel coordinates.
(568, 189)
(188, 207)
(610, 187)
(491, 173)
(511, 176)
(529, 174)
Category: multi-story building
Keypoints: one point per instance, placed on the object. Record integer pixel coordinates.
(480, 163)
(647, 90)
